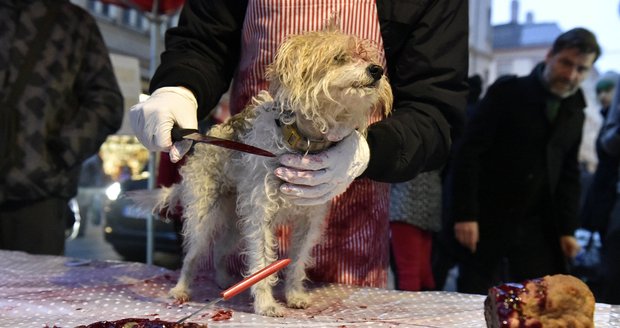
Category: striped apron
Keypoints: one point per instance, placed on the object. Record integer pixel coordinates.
(354, 249)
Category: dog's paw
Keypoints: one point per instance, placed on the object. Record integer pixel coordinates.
(297, 300)
(180, 294)
(273, 309)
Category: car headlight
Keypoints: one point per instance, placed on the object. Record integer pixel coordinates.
(113, 191)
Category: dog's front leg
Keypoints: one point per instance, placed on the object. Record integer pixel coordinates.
(307, 231)
(261, 251)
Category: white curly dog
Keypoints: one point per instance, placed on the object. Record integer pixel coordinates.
(324, 86)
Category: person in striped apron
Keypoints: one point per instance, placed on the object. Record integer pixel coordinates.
(425, 45)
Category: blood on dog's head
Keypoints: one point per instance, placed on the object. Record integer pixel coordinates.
(334, 79)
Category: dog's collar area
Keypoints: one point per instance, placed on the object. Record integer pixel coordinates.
(299, 142)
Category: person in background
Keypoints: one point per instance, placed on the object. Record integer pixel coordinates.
(475, 91)
(415, 214)
(600, 197)
(446, 250)
(608, 290)
(516, 173)
(426, 54)
(60, 100)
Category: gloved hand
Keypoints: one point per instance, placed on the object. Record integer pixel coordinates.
(317, 178)
(152, 120)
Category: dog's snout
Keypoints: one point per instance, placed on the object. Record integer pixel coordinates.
(375, 71)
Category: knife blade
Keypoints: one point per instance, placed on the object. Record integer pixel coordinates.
(179, 134)
(243, 285)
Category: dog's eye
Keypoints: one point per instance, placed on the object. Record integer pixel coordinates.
(340, 58)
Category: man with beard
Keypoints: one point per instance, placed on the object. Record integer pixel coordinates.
(516, 174)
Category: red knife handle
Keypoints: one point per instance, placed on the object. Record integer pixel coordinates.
(254, 278)
(178, 133)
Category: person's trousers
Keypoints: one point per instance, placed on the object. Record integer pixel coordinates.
(610, 268)
(36, 227)
(411, 253)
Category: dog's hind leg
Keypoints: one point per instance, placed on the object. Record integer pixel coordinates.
(307, 230)
(226, 241)
(201, 222)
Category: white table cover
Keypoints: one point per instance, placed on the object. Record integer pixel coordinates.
(55, 291)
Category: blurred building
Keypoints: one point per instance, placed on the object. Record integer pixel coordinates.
(127, 31)
(519, 46)
(480, 39)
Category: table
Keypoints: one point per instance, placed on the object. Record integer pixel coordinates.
(56, 291)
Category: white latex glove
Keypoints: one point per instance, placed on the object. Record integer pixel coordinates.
(317, 178)
(152, 120)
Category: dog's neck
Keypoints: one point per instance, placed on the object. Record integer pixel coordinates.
(297, 141)
(295, 138)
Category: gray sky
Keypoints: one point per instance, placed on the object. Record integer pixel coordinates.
(600, 16)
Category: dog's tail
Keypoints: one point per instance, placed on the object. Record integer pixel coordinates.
(161, 201)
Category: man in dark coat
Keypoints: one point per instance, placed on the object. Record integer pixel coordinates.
(516, 175)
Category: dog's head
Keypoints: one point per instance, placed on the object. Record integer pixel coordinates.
(333, 82)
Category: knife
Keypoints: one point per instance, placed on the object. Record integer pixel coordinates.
(244, 284)
(179, 134)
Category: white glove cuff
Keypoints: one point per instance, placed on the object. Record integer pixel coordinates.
(181, 91)
(361, 157)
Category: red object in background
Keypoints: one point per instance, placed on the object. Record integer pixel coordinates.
(165, 6)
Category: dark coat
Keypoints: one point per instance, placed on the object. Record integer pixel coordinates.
(426, 51)
(514, 165)
(70, 104)
(601, 194)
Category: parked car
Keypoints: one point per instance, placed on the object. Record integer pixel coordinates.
(74, 221)
(125, 225)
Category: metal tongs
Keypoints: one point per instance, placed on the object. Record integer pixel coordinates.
(243, 284)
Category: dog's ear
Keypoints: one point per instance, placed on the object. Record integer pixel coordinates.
(386, 98)
(286, 71)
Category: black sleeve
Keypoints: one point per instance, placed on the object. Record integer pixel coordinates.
(202, 52)
(568, 192)
(428, 77)
(478, 138)
(610, 133)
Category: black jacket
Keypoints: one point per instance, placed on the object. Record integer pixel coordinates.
(426, 46)
(602, 193)
(70, 104)
(513, 164)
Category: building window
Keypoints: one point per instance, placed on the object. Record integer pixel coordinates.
(90, 4)
(105, 10)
